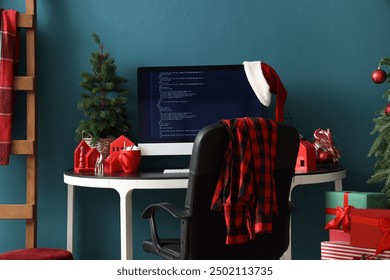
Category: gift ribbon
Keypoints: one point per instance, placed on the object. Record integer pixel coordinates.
(342, 218)
(383, 224)
(342, 215)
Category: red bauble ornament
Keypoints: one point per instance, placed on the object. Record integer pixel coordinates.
(324, 157)
(387, 110)
(379, 76)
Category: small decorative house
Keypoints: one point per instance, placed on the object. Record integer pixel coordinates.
(85, 158)
(120, 144)
(306, 159)
(112, 163)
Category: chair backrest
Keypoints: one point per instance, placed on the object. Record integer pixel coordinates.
(207, 229)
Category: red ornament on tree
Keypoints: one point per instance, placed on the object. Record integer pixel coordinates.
(387, 110)
(379, 76)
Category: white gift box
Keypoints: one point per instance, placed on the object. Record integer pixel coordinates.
(341, 250)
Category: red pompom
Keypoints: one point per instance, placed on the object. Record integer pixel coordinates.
(379, 76)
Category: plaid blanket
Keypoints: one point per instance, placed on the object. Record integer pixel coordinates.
(245, 192)
(8, 55)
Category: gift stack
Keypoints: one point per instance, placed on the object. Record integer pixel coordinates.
(359, 226)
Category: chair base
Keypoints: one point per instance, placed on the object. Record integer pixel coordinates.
(37, 254)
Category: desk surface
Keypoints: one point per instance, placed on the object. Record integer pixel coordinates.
(142, 175)
(158, 174)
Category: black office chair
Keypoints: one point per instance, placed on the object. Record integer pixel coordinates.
(203, 231)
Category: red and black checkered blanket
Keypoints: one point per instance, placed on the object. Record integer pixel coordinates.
(245, 192)
(8, 58)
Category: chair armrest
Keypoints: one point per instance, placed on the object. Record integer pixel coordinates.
(178, 213)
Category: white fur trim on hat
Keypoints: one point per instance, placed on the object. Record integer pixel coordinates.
(257, 81)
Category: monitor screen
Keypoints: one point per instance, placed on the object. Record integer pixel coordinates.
(174, 103)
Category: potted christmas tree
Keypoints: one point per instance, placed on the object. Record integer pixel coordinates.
(381, 146)
(103, 103)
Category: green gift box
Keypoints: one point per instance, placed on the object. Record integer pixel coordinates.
(365, 200)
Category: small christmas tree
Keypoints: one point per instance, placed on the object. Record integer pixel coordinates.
(104, 103)
(381, 146)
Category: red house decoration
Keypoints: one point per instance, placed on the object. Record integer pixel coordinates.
(85, 158)
(120, 144)
(306, 159)
(112, 163)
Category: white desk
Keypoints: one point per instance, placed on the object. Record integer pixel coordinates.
(124, 184)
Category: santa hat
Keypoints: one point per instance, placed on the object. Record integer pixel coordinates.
(264, 80)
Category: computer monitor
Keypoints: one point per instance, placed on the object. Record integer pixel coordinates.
(175, 102)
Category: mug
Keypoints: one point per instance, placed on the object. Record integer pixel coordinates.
(130, 160)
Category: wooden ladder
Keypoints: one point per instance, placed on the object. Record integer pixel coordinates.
(28, 146)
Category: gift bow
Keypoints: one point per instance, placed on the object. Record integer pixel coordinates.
(342, 217)
(384, 243)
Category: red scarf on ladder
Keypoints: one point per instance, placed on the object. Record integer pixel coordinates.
(245, 192)
(8, 58)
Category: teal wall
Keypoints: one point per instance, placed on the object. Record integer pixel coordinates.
(324, 52)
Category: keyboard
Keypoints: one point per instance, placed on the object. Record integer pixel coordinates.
(177, 171)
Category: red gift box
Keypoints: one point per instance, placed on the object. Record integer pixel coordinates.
(339, 250)
(370, 228)
(339, 235)
(340, 204)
